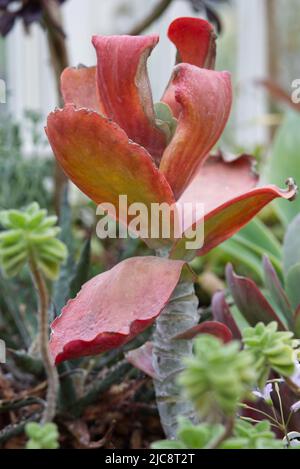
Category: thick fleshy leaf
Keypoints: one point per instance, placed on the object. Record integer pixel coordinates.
(293, 285)
(78, 87)
(284, 161)
(291, 245)
(141, 358)
(114, 307)
(195, 41)
(297, 322)
(250, 301)
(205, 97)
(277, 294)
(98, 157)
(234, 178)
(214, 328)
(225, 220)
(124, 88)
(221, 313)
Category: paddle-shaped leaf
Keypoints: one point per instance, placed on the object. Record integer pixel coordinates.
(114, 307)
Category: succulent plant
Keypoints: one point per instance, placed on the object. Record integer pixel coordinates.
(248, 436)
(272, 349)
(30, 233)
(42, 436)
(218, 376)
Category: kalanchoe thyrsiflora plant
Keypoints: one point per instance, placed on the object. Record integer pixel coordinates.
(110, 142)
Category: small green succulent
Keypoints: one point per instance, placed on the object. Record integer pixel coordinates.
(190, 436)
(218, 376)
(42, 436)
(30, 234)
(206, 436)
(272, 349)
(248, 436)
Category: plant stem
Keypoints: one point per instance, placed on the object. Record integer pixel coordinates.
(227, 433)
(157, 11)
(53, 23)
(180, 314)
(52, 376)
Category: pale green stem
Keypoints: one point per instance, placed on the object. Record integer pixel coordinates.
(180, 314)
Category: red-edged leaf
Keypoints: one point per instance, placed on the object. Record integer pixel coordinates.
(78, 86)
(124, 88)
(141, 358)
(98, 157)
(114, 307)
(235, 177)
(195, 41)
(208, 327)
(277, 293)
(205, 97)
(221, 313)
(250, 301)
(230, 202)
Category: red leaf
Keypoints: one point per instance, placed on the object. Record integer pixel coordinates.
(277, 293)
(224, 220)
(195, 41)
(141, 358)
(124, 88)
(114, 307)
(78, 86)
(250, 301)
(221, 313)
(208, 327)
(98, 157)
(205, 97)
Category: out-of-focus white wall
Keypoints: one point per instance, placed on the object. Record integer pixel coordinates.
(252, 65)
(30, 83)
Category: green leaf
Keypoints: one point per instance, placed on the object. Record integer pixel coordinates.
(168, 444)
(284, 162)
(293, 285)
(251, 243)
(291, 245)
(81, 274)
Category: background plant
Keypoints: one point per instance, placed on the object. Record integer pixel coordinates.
(218, 379)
